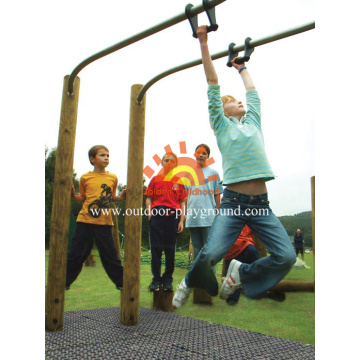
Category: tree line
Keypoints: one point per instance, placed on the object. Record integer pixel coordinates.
(291, 223)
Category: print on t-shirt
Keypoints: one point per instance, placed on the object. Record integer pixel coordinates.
(103, 202)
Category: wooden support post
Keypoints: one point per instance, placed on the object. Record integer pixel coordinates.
(261, 248)
(90, 261)
(201, 296)
(313, 214)
(162, 300)
(293, 285)
(60, 213)
(129, 314)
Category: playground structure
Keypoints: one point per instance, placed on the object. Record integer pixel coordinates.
(55, 293)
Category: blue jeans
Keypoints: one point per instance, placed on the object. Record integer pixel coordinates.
(199, 237)
(235, 211)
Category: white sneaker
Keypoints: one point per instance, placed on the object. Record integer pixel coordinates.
(232, 280)
(181, 295)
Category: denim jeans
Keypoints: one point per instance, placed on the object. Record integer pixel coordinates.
(235, 211)
(199, 237)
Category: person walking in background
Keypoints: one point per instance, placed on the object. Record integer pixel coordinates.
(299, 243)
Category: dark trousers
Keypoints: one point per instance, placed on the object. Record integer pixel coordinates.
(300, 249)
(163, 235)
(82, 243)
(247, 256)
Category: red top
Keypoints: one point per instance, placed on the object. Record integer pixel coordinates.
(240, 244)
(165, 193)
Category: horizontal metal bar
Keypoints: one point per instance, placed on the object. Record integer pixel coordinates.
(252, 43)
(167, 23)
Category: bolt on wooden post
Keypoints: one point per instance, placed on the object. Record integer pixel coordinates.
(129, 314)
(60, 212)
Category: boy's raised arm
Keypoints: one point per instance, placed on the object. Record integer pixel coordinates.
(183, 206)
(148, 202)
(210, 73)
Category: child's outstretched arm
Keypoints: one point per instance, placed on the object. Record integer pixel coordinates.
(79, 197)
(210, 73)
(248, 82)
(182, 216)
(121, 197)
(148, 202)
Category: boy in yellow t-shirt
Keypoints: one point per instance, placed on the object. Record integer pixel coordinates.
(97, 191)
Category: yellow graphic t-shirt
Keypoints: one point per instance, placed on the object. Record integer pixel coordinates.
(98, 190)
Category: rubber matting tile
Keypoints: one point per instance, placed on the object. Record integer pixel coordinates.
(98, 334)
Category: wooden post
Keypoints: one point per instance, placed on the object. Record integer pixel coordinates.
(294, 285)
(90, 261)
(129, 314)
(201, 296)
(261, 248)
(60, 213)
(162, 300)
(313, 214)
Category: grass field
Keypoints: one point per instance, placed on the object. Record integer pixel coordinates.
(294, 319)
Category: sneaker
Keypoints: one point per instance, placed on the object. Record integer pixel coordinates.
(119, 287)
(67, 287)
(167, 285)
(232, 280)
(181, 295)
(231, 302)
(154, 286)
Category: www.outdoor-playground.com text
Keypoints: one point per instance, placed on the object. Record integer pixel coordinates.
(203, 213)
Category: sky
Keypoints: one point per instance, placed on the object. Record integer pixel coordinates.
(176, 106)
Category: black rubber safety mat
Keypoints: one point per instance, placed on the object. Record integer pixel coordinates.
(98, 335)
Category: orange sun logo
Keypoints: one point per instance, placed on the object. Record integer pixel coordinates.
(187, 171)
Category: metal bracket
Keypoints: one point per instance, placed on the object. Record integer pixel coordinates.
(210, 12)
(247, 52)
(232, 54)
(193, 20)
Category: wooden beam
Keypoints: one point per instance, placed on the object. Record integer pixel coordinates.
(129, 314)
(292, 286)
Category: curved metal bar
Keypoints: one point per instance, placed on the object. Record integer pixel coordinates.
(170, 22)
(252, 43)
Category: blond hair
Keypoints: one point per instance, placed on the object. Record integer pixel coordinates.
(225, 99)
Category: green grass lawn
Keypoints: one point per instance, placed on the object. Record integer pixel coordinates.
(293, 319)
